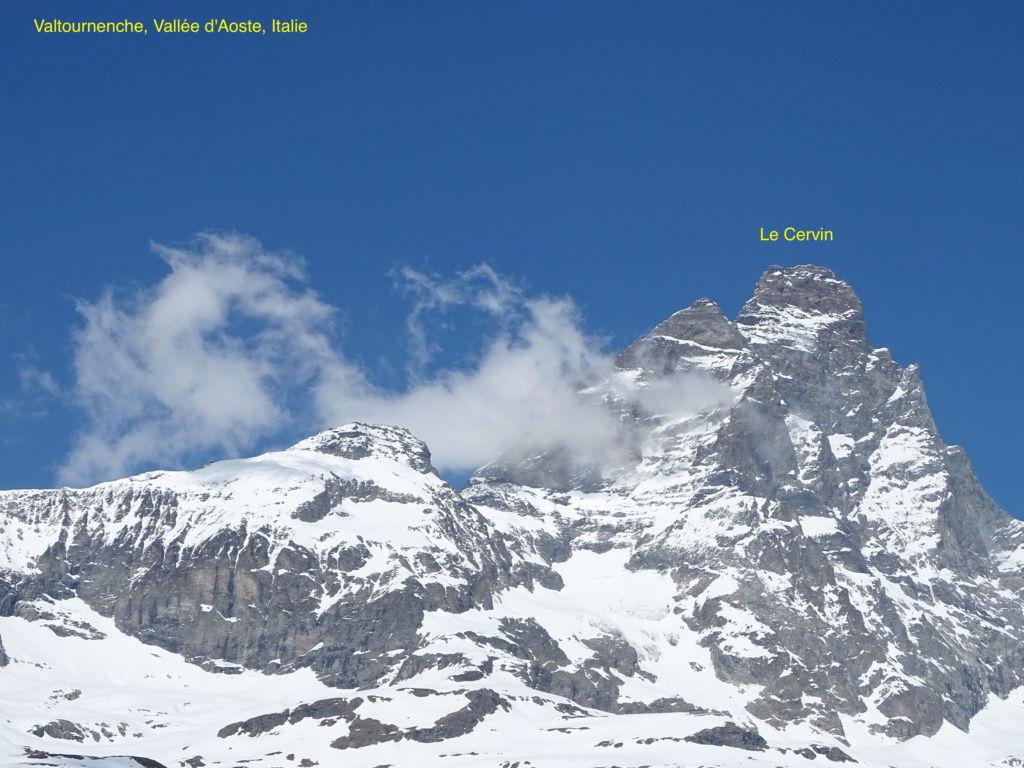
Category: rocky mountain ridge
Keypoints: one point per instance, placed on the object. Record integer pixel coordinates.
(779, 538)
(834, 551)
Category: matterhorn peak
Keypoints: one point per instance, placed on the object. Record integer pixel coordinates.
(799, 300)
(805, 309)
(807, 287)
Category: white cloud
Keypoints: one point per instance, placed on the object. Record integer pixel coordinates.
(34, 380)
(232, 349)
(201, 363)
(480, 287)
(523, 392)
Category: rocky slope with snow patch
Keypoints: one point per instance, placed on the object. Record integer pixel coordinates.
(326, 555)
(777, 559)
(834, 556)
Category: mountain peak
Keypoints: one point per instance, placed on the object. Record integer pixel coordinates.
(801, 302)
(776, 535)
(702, 322)
(806, 287)
(361, 441)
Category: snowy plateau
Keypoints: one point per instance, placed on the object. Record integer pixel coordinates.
(776, 562)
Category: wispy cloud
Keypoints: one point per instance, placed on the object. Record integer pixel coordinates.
(34, 381)
(431, 297)
(203, 362)
(524, 391)
(37, 391)
(233, 348)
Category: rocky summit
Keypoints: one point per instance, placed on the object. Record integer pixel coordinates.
(775, 558)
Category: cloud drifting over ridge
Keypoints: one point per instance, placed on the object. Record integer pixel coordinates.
(232, 351)
(232, 347)
(523, 392)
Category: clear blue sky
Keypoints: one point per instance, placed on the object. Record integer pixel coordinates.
(623, 154)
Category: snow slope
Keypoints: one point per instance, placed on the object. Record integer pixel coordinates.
(780, 561)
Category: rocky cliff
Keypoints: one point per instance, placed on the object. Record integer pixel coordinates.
(827, 547)
(777, 535)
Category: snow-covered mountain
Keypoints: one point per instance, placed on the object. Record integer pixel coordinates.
(777, 559)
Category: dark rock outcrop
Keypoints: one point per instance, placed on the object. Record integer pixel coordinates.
(730, 735)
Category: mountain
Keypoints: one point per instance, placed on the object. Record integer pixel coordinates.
(773, 558)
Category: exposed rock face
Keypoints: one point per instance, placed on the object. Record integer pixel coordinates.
(829, 549)
(791, 527)
(61, 729)
(730, 735)
(366, 731)
(142, 762)
(325, 709)
(234, 563)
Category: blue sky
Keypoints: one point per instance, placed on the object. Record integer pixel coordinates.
(623, 155)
